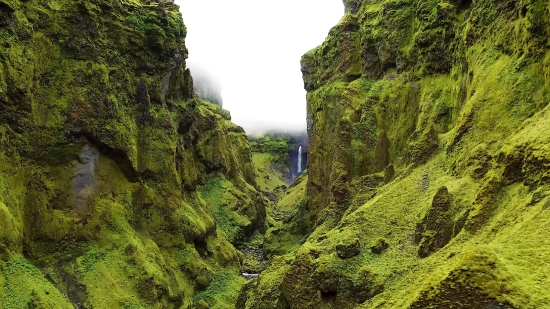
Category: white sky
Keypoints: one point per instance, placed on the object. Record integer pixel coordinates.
(254, 48)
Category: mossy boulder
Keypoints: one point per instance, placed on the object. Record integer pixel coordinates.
(471, 284)
(380, 246)
(348, 248)
(266, 289)
(366, 285)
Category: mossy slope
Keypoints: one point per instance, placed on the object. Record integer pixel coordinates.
(104, 157)
(270, 154)
(428, 163)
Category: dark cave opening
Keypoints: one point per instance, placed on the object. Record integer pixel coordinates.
(201, 246)
(464, 5)
(328, 296)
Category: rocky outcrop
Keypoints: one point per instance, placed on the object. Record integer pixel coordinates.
(438, 227)
(84, 182)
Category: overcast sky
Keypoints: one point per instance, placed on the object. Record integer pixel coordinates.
(254, 48)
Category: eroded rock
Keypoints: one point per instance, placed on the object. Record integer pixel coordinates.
(348, 248)
(84, 183)
(436, 228)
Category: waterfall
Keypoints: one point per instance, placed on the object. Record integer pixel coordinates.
(299, 160)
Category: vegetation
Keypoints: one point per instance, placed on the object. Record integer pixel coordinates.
(269, 178)
(427, 171)
(428, 180)
(289, 225)
(270, 154)
(110, 166)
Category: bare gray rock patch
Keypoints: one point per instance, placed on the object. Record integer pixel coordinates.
(84, 182)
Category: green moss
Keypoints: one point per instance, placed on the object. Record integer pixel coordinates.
(192, 220)
(460, 90)
(109, 90)
(109, 231)
(223, 291)
(292, 225)
(2, 284)
(268, 178)
(25, 286)
(393, 212)
(11, 234)
(231, 208)
(266, 287)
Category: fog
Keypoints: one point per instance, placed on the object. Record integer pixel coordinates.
(205, 83)
(253, 49)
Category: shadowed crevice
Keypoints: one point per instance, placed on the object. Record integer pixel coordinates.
(118, 155)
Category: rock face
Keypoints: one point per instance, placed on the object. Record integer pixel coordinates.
(427, 124)
(117, 187)
(84, 182)
(438, 227)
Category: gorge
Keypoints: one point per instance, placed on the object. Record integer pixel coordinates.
(423, 180)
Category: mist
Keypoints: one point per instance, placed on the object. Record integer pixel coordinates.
(205, 84)
(252, 50)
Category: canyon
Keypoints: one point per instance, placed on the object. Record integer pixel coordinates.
(423, 180)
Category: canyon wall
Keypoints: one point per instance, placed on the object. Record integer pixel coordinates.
(119, 188)
(429, 161)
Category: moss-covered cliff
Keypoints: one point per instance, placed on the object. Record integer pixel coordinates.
(118, 188)
(429, 161)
